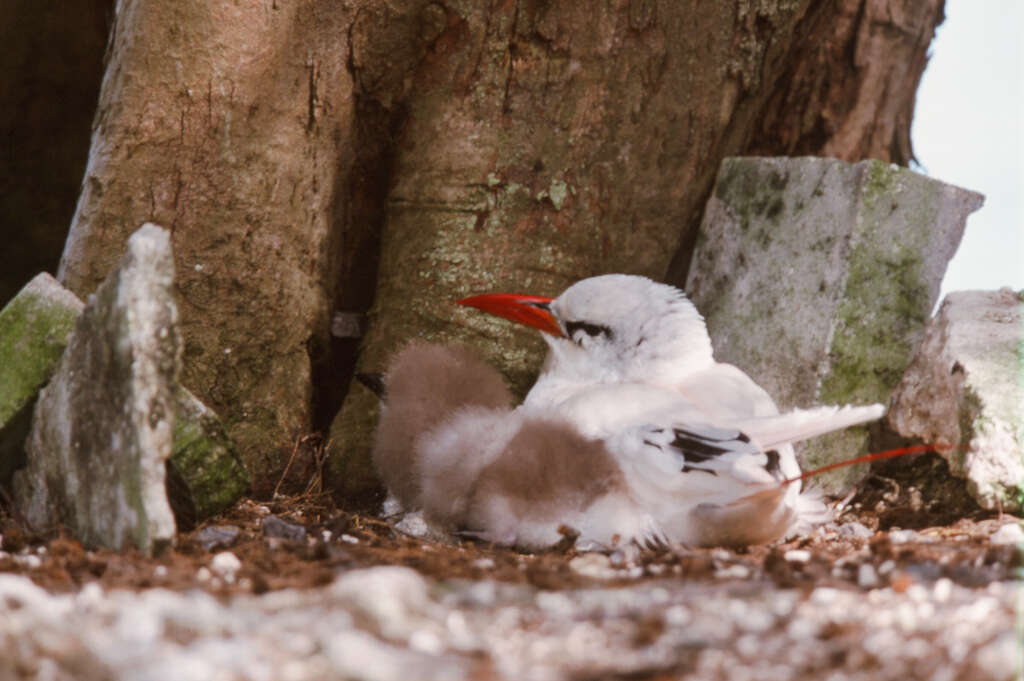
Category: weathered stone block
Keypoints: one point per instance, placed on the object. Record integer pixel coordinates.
(34, 328)
(964, 392)
(102, 429)
(817, 278)
(206, 474)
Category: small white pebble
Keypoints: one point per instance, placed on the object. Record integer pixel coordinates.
(203, 574)
(225, 564)
(824, 595)
(855, 529)
(29, 560)
(262, 510)
(160, 571)
(801, 629)
(797, 556)
(349, 538)
(426, 641)
(594, 565)
(999, 658)
(902, 536)
(678, 616)
(483, 563)
(733, 572)
(326, 535)
(414, 524)
(917, 593)
(748, 646)
(867, 576)
(943, 589)
(90, 595)
(1011, 533)
(886, 567)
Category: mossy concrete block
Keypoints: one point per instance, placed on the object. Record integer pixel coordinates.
(102, 428)
(964, 392)
(817, 278)
(34, 329)
(205, 472)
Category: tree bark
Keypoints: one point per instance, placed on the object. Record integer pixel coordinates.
(311, 156)
(228, 125)
(547, 142)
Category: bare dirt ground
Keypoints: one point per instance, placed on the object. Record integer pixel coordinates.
(905, 584)
(889, 527)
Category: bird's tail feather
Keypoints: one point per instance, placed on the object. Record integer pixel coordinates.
(802, 424)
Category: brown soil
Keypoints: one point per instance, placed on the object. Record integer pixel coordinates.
(947, 541)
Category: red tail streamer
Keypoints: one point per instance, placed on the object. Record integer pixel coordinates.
(877, 456)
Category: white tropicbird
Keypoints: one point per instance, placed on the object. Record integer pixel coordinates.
(633, 433)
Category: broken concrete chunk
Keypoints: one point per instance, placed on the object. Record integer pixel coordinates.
(205, 472)
(964, 392)
(817, 278)
(102, 429)
(34, 328)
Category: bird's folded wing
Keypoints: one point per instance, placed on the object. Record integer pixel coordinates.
(802, 424)
(694, 460)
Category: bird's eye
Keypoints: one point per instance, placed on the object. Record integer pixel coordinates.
(587, 329)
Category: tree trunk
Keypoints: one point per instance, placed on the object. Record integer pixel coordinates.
(549, 142)
(473, 146)
(229, 125)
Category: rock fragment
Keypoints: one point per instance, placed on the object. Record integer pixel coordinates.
(275, 527)
(102, 429)
(1010, 533)
(205, 472)
(817, 278)
(214, 537)
(963, 393)
(34, 329)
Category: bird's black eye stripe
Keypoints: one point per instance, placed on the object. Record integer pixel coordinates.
(592, 330)
(695, 469)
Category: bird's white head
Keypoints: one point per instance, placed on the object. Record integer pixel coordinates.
(612, 328)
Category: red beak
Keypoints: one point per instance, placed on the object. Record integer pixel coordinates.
(530, 310)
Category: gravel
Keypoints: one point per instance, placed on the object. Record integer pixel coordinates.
(385, 623)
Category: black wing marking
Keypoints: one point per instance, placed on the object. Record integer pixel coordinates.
(773, 465)
(699, 446)
(708, 449)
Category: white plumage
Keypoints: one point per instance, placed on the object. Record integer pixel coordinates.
(633, 433)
